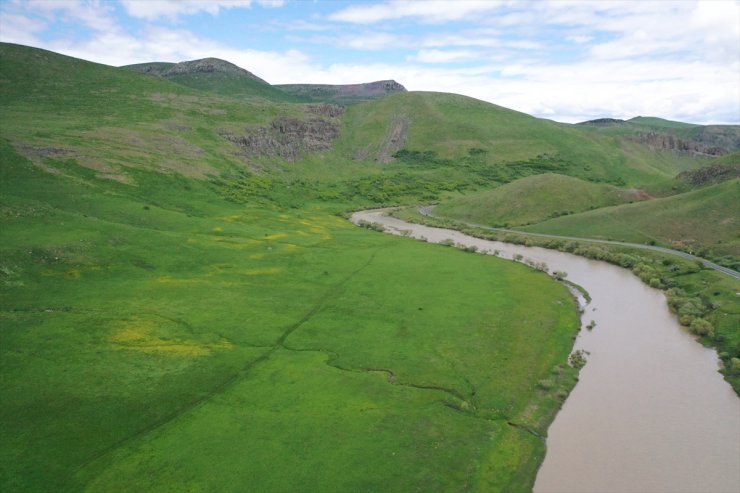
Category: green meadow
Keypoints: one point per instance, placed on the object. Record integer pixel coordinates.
(163, 346)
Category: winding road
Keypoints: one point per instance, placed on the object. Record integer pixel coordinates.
(427, 211)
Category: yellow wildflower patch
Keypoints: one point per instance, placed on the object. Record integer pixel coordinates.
(138, 334)
(263, 271)
(276, 236)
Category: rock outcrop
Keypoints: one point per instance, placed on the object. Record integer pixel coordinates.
(288, 138)
(711, 174)
(673, 143)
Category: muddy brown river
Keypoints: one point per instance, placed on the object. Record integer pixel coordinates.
(650, 412)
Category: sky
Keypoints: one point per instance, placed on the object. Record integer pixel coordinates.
(568, 61)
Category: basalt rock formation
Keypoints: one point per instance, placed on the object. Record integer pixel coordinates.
(288, 138)
(673, 143)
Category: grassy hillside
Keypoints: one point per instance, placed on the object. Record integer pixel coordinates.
(180, 312)
(703, 221)
(501, 144)
(534, 199)
(344, 94)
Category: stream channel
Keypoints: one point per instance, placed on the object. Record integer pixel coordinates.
(650, 412)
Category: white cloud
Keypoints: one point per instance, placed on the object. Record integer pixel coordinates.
(20, 29)
(579, 38)
(430, 11)
(94, 14)
(444, 56)
(154, 9)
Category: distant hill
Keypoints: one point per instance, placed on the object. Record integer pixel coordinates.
(681, 137)
(602, 121)
(213, 75)
(342, 94)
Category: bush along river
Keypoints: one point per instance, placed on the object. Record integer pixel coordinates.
(650, 412)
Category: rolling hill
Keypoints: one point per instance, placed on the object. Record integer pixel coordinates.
(704, 221)
(535, 199)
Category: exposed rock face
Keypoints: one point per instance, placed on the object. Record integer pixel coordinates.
(670, 142)
(711, 174)
(394, 140)
(287, 138)
(330, 110)
(602, 121)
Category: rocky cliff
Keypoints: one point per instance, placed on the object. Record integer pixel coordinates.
(673, 143)
(288, 137)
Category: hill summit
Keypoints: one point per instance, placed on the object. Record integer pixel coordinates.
(202, 66)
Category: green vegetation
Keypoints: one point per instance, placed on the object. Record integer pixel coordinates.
(174, 320)
(184, 307)
(692, 292)
(534, 199)
(703, 222)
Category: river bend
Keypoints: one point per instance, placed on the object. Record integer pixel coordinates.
(650, 412)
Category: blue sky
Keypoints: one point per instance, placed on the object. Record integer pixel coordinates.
(564, 60)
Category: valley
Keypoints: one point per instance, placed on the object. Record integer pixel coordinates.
(185, 305)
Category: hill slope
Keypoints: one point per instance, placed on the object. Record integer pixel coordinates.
(534, 199)
(704, 219)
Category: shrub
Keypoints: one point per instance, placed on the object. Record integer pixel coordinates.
(702, 327)
(577, 359)
(735, 366)
(545, 384)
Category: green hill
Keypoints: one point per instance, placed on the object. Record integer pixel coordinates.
(533, 200)
(214, 75)
(703, 221)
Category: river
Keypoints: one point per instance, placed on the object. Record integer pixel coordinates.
(650, 412)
